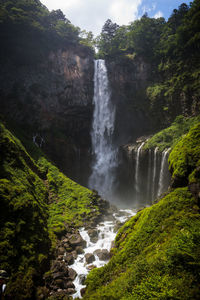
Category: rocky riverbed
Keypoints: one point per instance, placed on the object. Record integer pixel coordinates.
(79, 251)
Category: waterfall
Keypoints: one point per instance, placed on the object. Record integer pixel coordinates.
(137, 167)
(154, 171)
(149, 179)
(105, 155)
(162, 172)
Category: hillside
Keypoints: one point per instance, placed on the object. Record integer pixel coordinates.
(39, 205)
(156, 253)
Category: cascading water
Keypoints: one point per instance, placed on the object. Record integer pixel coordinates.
(137, 167)
(102, 177)
(162, 172)
(154, 172)
(149, 187)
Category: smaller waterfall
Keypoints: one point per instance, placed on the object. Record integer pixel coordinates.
(149, 179)
(154, 172)
(137, 167)
(162, 172)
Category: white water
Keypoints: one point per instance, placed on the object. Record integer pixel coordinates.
(106, 235)
(149, 179)
(102, 176)
(162, 172)
(137, 167)
(154, 170)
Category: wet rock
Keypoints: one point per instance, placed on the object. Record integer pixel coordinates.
(74, 254)
(58, 275)
(82, 291)
(69, 258)
(79, 250)
(72, 274)
(71, 291)
(61, 251)
(59, 283)
(93, 234)
(60, 257)
(89, 258)
(117, 226)
(91, 267)
(82, 279)
(102, 254)
(76, 240)
(69, 284)
(65, 240)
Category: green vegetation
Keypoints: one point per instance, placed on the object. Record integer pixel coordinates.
(24, 238)
(28, 31)
(184, 160)
(38, 204)
(156, 253)
(70, 203)
(169, 137)
(171, 49)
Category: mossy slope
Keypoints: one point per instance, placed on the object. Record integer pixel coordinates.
(156, 253)
(185, 157)
(38, 203)
(169, 137)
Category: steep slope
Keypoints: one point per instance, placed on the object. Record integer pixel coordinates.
(156, 253)
(38, 206)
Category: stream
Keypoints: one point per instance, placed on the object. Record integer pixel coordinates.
(96, 253)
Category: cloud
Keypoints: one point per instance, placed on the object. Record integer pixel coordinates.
(159, 14)
(92, 14)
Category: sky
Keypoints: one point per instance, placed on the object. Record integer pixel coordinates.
(92, 14)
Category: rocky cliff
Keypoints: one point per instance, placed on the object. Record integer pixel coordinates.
(52, 102)
(129, 78)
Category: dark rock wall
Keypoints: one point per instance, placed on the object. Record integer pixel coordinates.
(52, 102)
(129, 79)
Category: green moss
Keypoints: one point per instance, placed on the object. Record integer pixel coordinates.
(184, 159)
(155, 255)
(38, 203)
(168, 138)
(70, 203)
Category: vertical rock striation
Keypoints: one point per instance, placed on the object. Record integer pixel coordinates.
(52, 101)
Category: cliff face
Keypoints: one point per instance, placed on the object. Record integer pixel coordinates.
(129, 78)
(52, 102)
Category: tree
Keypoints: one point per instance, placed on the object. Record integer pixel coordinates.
(107, 35)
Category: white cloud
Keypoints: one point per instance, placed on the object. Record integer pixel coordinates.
(159, 14)
(92, 14)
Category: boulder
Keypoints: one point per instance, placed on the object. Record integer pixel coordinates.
(58, 275)
(89, 258)
(74, 254)
(79, 250)
(93, 234)
(69, 258)
(71, 291)
(102, 254)
(82, 279)
(69, 284)
(72, 274)
(76, 240)
(91, 267)
(61, 251)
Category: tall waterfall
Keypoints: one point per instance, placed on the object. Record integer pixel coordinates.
(105, 155)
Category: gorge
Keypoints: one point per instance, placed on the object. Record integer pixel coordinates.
(99, 156)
